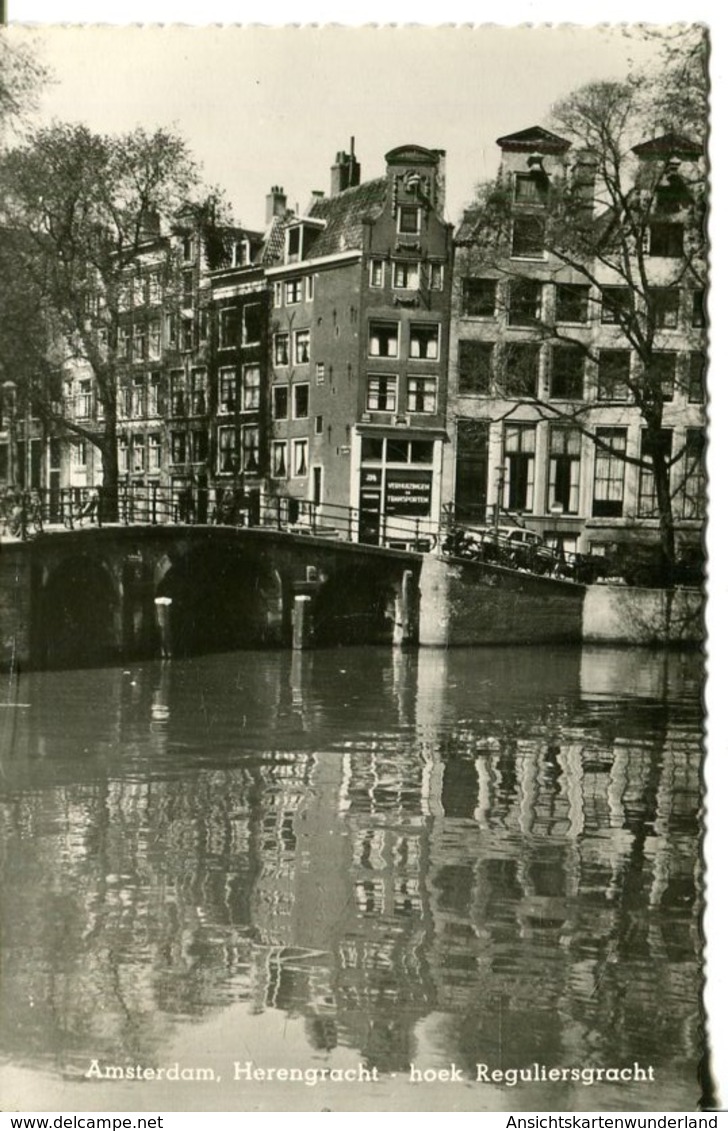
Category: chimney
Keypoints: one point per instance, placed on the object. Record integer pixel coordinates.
(346, 171)
(275, 203)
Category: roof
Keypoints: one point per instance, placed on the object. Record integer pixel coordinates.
(669, 145)
(344, 215)
(533, 138)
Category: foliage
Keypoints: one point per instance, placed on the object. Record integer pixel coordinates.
(78, 210)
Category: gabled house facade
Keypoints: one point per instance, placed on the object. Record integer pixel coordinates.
(545, 429)
(359, 346)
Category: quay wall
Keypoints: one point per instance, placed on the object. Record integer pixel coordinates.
(15, 598)
(465, 603)
(619, 614)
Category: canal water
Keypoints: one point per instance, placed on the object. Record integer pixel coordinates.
(361, 862)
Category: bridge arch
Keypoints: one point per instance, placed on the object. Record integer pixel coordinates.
(79, 615)
(354, 605)
(220, 600)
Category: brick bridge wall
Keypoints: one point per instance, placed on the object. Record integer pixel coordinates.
(88, 596)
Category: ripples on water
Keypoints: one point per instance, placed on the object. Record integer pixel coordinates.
(466, 857)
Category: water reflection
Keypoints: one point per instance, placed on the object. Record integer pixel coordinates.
(478, 856)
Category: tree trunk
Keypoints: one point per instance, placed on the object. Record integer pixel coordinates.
(109, 502)
(661, 471)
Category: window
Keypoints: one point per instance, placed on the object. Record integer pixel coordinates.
(277, 294)
(300, 402)
(664, 304)
(475, 367)
(696, 378)
(293, 244)
(437, 276)
(177, 392)
(479, 298)
(613, 375)
(226, 397)
(155, 288)
(187, 248)
(281, 349)
(199, 392)
(123, 454)
(138, 342)
(615, 304)
(293, 291)
(524, 302)
(567, 373)
(406, 276)
(252, 324)
(303, 346)
(137, 395)
(421, 394)
(519, 370)
(572, 302)
(372, 449)
(300, 458)
(251, 388)
(692, 489)
(529, 237)
(319, 425)
(251, 450)
(171, 328)
(647, 506)
(229, 327)
(666, 239)
(320, 372)
(188, 288)
(178, 447)
(663, 373)
(199, 447)
(138, 452)
(123, 403)
(519, 444)
(241, 253)
(83, 400)
(376, 272)
(279, 459)
(309, 287)
(408, 219)
(124, 301)
(424, 341)
(188, 334)
(530, 188)
(383, 339)
(226, 453)
(155, 339)
(203, 325)
(280, 402)
(155, 451)
(697, 317)
(565, 468)
(153, 395)
(122, 342)
(609, 467)
(382, 393)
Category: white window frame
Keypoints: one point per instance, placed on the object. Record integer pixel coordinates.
(279, 447)
(376, 379)
(426, 356)
(223, 408)
(376, 271)
(405, 275)
(401, 209)
(300, 336)
(291, 289)
(279, 340)
(301, 385)
(382, 323)
(299, 444)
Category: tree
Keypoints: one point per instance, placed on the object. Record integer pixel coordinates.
(616, 217)
(80, 209)
(22, 76)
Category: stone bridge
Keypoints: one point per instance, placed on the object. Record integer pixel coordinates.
(87, 596)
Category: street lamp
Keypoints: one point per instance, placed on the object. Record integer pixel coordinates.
(556, 510)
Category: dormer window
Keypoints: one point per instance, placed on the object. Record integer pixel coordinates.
(408, 219)
(293, 244)
(530, 188)
(241, 253)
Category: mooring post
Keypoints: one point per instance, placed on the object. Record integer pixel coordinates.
(302, 627)
(403, 630)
